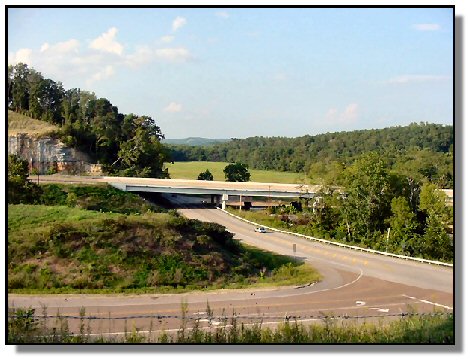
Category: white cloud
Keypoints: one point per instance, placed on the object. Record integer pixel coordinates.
(105, 73)
(173, 107)
(71, 45)
(167, 38)
(142, 55)
(21, 56)
(331, 114)
(349, 115)
(106, 42)
(145, 54)
(70, 62)
(427, 27)
(405, 79)
(178, 23)
(222, 14)
(173, 54)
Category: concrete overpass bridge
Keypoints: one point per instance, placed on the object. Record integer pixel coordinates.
(220, 190)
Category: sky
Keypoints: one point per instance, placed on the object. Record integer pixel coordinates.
(240, 72)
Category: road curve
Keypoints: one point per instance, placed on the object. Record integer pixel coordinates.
(354, 284)
(321, 255)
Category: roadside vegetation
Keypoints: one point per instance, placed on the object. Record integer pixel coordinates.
(434, 328)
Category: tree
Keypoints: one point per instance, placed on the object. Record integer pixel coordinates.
(206, 175)
(325, 211)
(45, 100)
(436, 242)
(71, 106)
(11, 74)
(106, 128)
(426, 165)
(433, 202)
(20, 88)
(403, 225)
(20, 189)
(35, 81)
(143, 155)
(17, 169)
(326, 172)
(368, 199)
(237, 172)
(87, 106)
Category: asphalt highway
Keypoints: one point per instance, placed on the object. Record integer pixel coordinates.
(354, 284)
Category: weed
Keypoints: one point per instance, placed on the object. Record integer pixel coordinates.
(435, 328)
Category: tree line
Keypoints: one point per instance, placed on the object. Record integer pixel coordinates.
(125, 144)
(421, 150)
(378, 209)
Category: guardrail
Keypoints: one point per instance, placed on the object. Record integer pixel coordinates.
(357, 248)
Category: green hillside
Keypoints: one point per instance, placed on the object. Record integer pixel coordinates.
(18, 123)
(420, 151)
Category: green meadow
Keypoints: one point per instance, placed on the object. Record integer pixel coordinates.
(191, 169)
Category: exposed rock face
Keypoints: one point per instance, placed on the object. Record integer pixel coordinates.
(45, 154)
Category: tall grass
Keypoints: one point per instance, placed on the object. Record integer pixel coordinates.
(435, 328)
(18, 123)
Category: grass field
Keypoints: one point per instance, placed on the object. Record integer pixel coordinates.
(191, 169)
(18, 123)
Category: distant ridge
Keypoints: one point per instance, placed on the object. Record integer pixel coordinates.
(194, 141)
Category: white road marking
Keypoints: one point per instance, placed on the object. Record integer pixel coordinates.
(380, 310)
(215, 323)
(429, 302)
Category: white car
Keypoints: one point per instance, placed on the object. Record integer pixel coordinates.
(260, 229)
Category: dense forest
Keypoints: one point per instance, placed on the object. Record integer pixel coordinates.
(126, 144)
(422, 151)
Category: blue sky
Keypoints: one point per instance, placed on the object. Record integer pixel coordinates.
(223, 73)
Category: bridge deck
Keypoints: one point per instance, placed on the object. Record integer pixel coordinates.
(182, 186)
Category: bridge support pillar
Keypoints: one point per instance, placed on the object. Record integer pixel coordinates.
(215, 200)
(224, 200)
